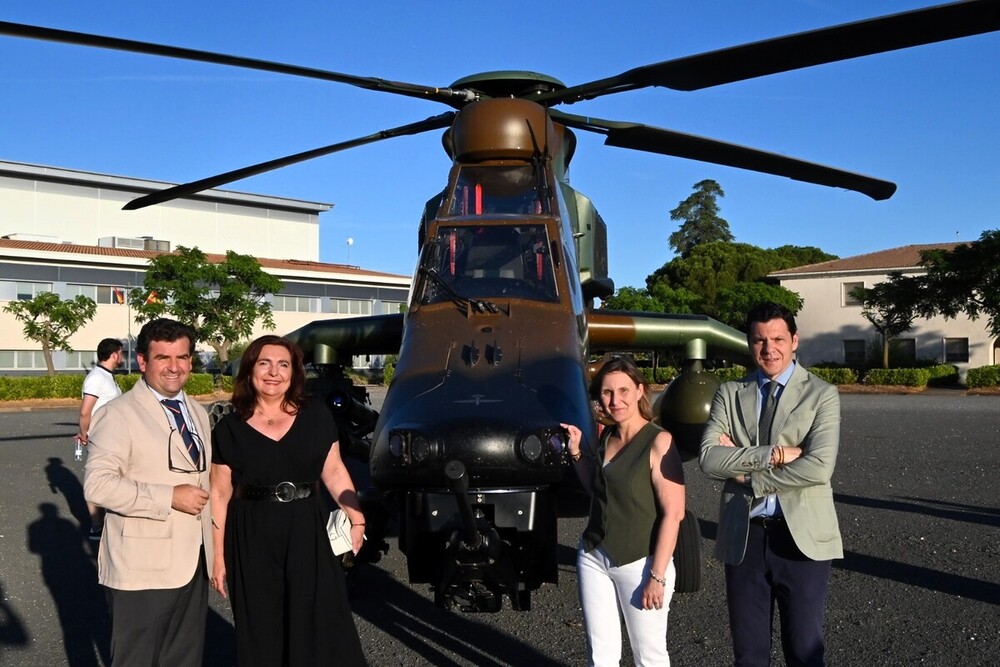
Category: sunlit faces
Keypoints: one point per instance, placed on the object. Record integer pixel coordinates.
(620, 396)
(773, 346)
(272, 374)
(167, 365)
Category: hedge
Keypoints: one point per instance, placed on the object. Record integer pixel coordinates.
(71, 385)
(907, 377)
(836, 375)
(984, 376)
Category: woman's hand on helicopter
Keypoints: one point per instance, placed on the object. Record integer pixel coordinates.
(574, 435)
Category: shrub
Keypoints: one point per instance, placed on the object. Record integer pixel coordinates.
(836, 375)
(388, 371)
(126, 382)
(200, 384)
(225, 383)
(984, 376)
(907, 377)
(40, 386)
(942, 375)
(730, 374)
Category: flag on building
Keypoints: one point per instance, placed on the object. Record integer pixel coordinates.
(153, 297)
(119, 294)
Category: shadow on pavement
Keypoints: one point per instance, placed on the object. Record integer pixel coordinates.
(71, 577)
(432, 633)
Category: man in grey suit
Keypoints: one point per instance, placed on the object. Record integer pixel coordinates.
(773, 437)
(149, 450)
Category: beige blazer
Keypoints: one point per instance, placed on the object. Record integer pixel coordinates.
(146, 544)
(807, 416)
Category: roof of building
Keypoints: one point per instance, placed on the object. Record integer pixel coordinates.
(125, 253)
(23, 170)
(894, 259)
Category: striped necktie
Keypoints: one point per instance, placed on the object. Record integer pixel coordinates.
(174, 407)
(767, 414)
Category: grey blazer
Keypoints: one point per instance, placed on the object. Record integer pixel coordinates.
(146, 544)
(807, 416)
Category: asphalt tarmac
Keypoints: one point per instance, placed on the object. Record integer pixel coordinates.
(916, 495)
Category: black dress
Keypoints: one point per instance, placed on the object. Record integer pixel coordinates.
(286, 588)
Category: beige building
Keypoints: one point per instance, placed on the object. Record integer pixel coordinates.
(832, 327)
(63, 231)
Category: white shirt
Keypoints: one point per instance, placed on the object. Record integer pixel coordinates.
(100, 383)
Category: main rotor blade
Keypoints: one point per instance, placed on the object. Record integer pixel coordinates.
(668, 142)
(178, 191)
(446, 95)
(805, 49)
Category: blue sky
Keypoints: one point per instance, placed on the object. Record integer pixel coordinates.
(924, 118)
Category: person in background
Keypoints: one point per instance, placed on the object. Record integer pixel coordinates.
(147, 466)
(625, 560)
(99, 387)
(288, 594)
(773, 437)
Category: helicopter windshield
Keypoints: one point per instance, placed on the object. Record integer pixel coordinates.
(496, 190)
(489, 262)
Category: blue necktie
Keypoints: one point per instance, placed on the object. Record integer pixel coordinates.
(174, 406)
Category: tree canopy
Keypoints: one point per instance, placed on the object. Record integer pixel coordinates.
(963, 280)
(889, 308)
(221, 301)
(718, 279)
(700, 220)
(51, 320)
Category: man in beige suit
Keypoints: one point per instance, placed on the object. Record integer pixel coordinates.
(773, 437)
(149, 450)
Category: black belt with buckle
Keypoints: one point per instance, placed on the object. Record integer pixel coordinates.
(282, 492)
(769, 522)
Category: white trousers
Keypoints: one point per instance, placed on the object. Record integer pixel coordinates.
(604, 589)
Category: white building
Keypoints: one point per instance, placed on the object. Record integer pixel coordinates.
(832, 328)
(63, 231)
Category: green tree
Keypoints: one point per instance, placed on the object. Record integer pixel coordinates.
(51, 321)
(221, 301)
(717, 278)
(635, 299)
(965, 280)
(700, 220)
(890, 308)
(735, 302)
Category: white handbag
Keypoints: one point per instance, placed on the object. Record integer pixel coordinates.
(338, 528)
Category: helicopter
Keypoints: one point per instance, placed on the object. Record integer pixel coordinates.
(500, 333)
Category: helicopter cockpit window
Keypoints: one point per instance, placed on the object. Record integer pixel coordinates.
(496, 190)
(489, 262)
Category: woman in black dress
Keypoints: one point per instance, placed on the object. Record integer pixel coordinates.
(269, 456)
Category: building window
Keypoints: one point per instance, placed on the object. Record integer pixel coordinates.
(28, 291)
(81, 359)
(293, 304)
(100, 294)
(904, 349)
(22, 359)
(854, 351)
(849, 300)
(956, 350)
(350, 307)
(393, 307)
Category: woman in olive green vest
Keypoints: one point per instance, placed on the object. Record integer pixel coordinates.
(636, 483)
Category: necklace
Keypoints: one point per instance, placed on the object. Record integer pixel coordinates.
(267, 420)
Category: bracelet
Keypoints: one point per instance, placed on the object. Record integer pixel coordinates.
(781, 456)
(575, 458)
(358, 524)
(660, 580)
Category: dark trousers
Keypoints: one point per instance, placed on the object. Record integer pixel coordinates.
(775, 571)
(160, 627)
